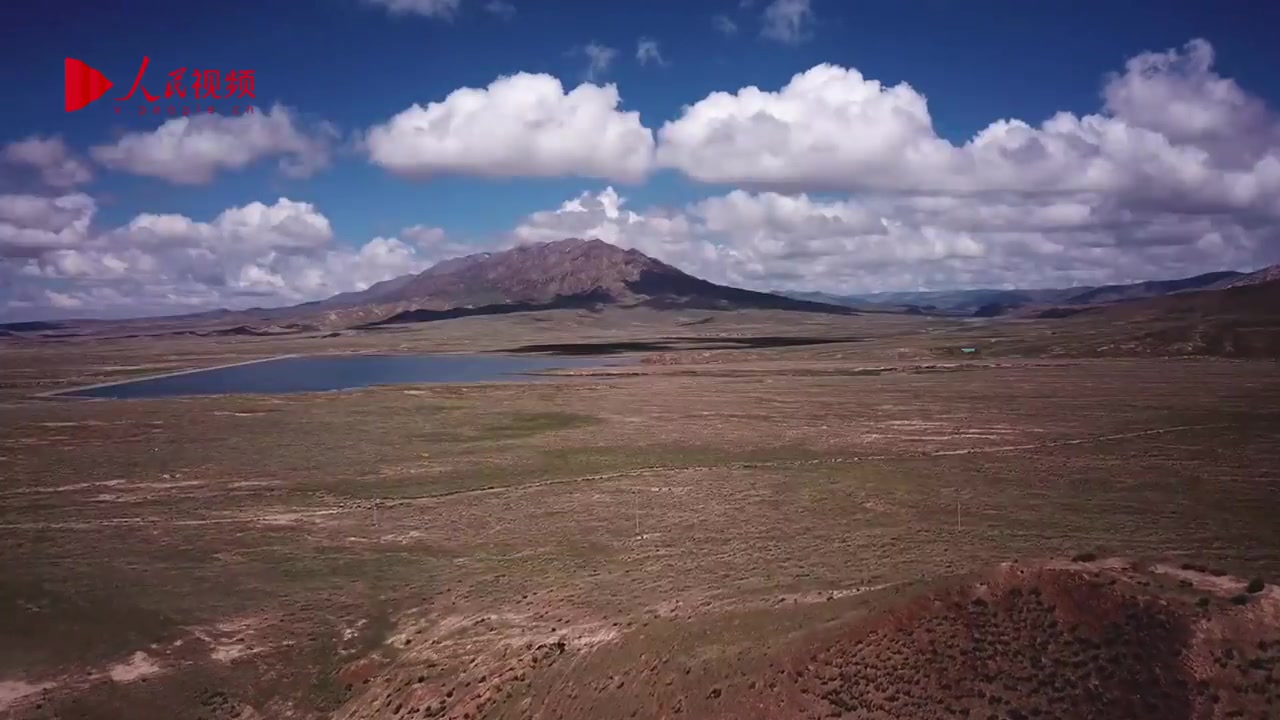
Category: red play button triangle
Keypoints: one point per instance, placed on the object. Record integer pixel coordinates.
(83, 84)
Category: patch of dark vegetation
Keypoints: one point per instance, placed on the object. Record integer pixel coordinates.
(1084, 557)
(699, 321)
(1255, 586)
(250, 331)
(991, 310)
(31, 326)
(521, 425)
(777, 341)
(931, 369)
(516, 426)
(1241, 599)
(1057, 313)
(668, 290)
(584, 301)
(601, 348)
(100, 615)
(235, 331)
(677, 343)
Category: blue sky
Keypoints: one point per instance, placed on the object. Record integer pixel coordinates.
(355, 64)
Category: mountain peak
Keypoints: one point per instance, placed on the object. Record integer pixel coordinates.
(1267, 274)
(568, 272)
(593, 246)
(572, 243)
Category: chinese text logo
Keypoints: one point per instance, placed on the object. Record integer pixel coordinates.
(84, 84)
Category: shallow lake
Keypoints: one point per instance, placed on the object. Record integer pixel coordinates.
(318, 373)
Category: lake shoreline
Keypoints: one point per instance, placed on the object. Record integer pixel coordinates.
(69, 392)
(478, 368)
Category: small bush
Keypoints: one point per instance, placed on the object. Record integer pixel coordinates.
(1255, 585)
(1084, 557)
(1240, 599)
(1202, 602)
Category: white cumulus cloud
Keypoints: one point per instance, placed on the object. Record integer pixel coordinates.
(1178, 96)
(442, 9)
(1171, 135)
(192, 150)
(843, 185)
(254, 255)
(50, 157)
(829, 126)
(31, 224)
(647, 51)
(888, 242)
(520, 125)
(788, 21)
(599, 59)
(501, 8)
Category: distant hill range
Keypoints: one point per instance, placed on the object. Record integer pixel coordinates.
(1220, 313)
(570, 273)
(1227, 314)
(1265, 275)
(1241, 320)
(566, 273)
(995, 302)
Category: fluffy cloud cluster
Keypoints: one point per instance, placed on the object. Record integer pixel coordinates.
(32, 224)
(50, 158)
(285, 252)
(787, 21)
(647, 51)
(521, 125)
(263, 255)
(599, 59)
(444, 9)
(1173, 134)
(191, 150)
(845, 187)
(883, 242)
(852, 190)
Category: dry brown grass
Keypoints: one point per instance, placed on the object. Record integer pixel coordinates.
(448, 550)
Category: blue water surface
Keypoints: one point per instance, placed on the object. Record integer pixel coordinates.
(318, 373)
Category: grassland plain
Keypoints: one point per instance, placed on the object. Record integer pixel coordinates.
(716, 529)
